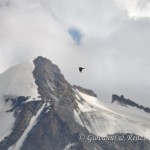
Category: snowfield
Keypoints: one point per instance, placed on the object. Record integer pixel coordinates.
(16, 81)
(102, 118)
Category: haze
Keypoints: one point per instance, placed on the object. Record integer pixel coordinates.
(110, 38)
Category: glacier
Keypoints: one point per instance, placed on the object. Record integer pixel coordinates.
(104, 119)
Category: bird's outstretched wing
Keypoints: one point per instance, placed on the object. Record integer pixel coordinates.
(80, 69)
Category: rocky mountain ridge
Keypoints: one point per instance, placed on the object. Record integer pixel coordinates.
(55, 120)
(127, 102)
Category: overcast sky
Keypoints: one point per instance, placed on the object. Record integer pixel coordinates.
(110, 38)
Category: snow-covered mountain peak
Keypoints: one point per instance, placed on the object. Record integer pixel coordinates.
(18, 81)
(62, 113)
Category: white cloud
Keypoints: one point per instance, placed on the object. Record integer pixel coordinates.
(114, 48)
(135, 8)
(26, 33)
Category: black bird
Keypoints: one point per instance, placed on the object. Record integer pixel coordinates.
(80, 69)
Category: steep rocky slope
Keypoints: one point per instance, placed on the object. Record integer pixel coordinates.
(48, 113)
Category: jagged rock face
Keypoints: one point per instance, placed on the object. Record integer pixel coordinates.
(127, 102)
(50, 122)
(49, 79)
(23, 114)
(55, 127)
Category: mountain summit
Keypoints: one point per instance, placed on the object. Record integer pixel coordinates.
(40, 110)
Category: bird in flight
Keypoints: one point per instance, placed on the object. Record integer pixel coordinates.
(80, 69)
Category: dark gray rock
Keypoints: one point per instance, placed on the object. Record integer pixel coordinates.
(23, 113)
(85, 91)
(127, 102)
(56, 126)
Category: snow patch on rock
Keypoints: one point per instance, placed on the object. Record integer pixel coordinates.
(32, 123)
(69, 146)
(7, 121)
